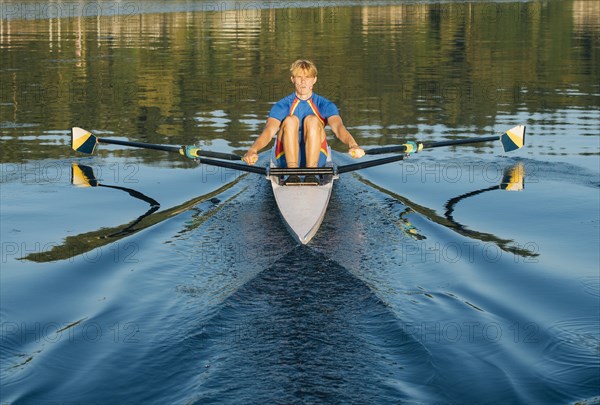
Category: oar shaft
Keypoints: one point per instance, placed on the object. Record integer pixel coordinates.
(167, 148)
(428, 145)
(235, 166)
(170, 148)
(386, 149)
(201, 153)
(370, 163)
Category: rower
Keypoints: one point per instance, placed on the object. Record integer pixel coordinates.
(298, 120)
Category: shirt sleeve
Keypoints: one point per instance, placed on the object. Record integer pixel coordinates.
(280, 110)
(327, 108)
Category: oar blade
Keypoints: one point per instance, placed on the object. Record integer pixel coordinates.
(513, 139)
(83, 141)
(83, 176)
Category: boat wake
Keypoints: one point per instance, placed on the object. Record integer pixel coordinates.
(306, 330)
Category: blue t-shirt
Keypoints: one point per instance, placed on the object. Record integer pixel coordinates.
(325, 108)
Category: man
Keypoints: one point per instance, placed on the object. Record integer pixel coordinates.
(299, 121)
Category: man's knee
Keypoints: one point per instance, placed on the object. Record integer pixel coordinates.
(312, 121)
(291, 122)
(313, 129)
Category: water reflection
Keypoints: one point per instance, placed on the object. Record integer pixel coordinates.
(512, 180)
(83, 176)
(585, 16)
(406, 68)
(72, 246)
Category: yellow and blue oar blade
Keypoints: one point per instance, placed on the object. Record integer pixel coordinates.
(513, 139)
(513, 178)
(83, 141)
(83, 176)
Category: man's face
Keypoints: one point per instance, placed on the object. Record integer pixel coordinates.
(303, 83)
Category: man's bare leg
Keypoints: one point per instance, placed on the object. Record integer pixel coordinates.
(289, 132)
(314, 134)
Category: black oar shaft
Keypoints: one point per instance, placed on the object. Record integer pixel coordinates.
(218, 155)
(370, 163)
(202, 155)
(386, 149)
(167, 148)
(427, 145)
(235, 166)
(170, 148)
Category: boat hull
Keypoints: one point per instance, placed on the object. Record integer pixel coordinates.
(302, 208)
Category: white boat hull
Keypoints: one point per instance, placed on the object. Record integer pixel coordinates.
(303, 207)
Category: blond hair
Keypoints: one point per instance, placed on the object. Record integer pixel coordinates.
(306, 66)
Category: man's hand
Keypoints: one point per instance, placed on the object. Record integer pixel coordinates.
(356, 151)
(250, 157)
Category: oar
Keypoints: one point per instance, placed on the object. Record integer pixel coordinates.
(511, 140)
(85, 142)
(369, 163)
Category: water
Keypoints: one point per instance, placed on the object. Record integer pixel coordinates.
(173, 282)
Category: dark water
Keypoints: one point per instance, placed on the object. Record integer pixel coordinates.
(172, 282)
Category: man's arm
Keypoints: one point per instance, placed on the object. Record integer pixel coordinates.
(263, 140)
(340, 131)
